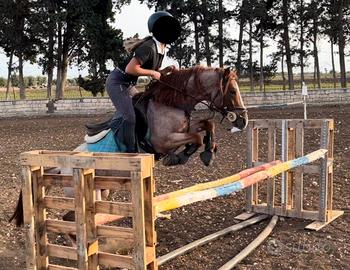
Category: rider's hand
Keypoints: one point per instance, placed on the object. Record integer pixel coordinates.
(156, 75)
(167, 70)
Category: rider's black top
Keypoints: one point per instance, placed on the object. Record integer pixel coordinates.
(148, 57)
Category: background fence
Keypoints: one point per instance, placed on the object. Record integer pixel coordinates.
(103, 105)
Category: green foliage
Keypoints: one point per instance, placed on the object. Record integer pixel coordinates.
(14, 80)
(2, 82)
(30, 81)
(93, 85)
(41, 80)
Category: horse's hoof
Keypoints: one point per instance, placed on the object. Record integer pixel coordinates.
(183, 158)
(207, 157)
(171, 160)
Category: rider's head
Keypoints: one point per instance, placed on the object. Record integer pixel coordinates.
(164, 27)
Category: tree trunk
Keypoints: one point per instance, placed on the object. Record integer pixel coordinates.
(196, 40)
(282, 68)
(341, 44)
(240, 43)
(22, 89)
(206, 32)
(333, 66)
(317, 65)
(8, 83)
(261, 62)
(251, 72)
(221, 34)
(301, 55)
(59, 93)
(63, 73)
(50, 61)
(285, 9)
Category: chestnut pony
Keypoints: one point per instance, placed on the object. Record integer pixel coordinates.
(174, 98)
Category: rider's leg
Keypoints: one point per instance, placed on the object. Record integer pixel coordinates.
(122, 100)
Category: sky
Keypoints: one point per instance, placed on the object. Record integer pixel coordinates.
(133, 19)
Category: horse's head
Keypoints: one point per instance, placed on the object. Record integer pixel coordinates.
(229, 101)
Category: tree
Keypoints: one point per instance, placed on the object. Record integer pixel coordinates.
(102, 42)
(342, 6)
(17, 36)
(266, 26)
(286, 42)
(46, 13)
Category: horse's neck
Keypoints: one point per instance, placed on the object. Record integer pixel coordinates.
(201, 87)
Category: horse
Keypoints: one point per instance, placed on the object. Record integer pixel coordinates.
(164, 117)
(164, 113)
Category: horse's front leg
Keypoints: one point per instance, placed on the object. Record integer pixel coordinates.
(175, 140)
(210, 146)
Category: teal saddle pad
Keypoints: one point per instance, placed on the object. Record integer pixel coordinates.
(107, 144)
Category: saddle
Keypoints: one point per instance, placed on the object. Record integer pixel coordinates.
(140, 102)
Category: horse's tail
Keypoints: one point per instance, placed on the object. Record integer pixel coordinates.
(18, 214)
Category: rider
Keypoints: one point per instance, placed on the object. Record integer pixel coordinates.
(146, 58)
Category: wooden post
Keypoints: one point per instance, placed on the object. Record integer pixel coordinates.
(299, 176)
(270, 157)
(252, 156)
(91, 231)
(249, 190)
(284, 157)
(42, 260)
(323, 197)
(143, 221)
(80, 218)
(255, 159)
(330, 170)
(150, 217)
(290, 174)
(28, 213)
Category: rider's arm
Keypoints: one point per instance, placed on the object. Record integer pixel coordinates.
(134, 68)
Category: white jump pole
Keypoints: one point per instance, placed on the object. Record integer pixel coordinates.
(304, 94)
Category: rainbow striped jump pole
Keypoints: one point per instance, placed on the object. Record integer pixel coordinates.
(185, 199)
(216, 183)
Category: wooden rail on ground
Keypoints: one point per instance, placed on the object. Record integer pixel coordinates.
(292, 183)
(139, 181)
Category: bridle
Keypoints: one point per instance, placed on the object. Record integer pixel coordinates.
(230, 115)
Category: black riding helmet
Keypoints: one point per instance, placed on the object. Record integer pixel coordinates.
(165, 28)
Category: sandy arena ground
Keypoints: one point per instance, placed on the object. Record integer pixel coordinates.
(289, 246)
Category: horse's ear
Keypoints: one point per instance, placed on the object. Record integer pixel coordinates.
(227, 72)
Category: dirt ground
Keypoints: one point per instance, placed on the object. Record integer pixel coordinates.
(289, 246)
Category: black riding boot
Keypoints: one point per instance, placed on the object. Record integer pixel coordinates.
(129, 138)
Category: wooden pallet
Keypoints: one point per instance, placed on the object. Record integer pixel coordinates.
(85, 180)
(292, 193)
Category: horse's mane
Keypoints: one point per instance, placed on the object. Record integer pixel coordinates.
(172, 89)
